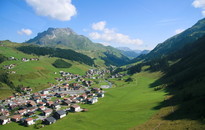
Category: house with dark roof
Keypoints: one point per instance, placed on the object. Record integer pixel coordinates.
(100, 95)
(56, 106)
(66, 102)
(59, 114)
(49, 120)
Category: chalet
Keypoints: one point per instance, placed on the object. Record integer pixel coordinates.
(43, 95)
(65, 84)
(66, 102)
(11, 97)
(34, 59)
(25, 60)
(41, 103)
(75, 108)
(31, 103)
(26, 89)
(75, 101)
(11, 58)
(45, 92)
(92, 100)
(49, 120)
(49, 103)
(79, 99)
(100, 95)
(60, 95)
(22, 112)
(59, 114)
(32, 109)
(4, 120)
(47, 112)
(83, 96)
(56, 106)
(29, 121)
(41, 108)
(35, 98)
(16, 118)
(30, 114)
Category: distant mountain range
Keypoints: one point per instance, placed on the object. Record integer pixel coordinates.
(66, 38)
(132, 53)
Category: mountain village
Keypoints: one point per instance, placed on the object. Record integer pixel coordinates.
(55, 102)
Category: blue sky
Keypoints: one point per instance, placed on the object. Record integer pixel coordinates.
(137, 24)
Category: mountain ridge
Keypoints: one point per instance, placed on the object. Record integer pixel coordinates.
(176, 42)
(66, 38)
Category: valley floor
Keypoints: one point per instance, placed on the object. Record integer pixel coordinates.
(123, 107)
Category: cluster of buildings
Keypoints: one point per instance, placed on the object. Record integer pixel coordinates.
(8, 67)
(48, 105)
(11, 66)
(23, 59)
(118, 75)
(29, 59)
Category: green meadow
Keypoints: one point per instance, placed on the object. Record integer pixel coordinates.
(35, 74)
(123, 107)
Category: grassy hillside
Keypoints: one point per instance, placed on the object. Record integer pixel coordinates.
(184, 81)
(122, 107)
(35, 74)
(175, 43)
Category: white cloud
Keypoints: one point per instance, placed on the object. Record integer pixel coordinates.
(111, 36)
(25, 32)
(61, 10)
(99, 26)
(179, 31)
(199, 4)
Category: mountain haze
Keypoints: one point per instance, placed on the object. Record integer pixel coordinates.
(132, 53)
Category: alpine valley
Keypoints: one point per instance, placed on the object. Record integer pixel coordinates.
(62, 80)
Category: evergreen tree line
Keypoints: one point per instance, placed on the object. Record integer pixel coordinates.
(60, 63)
(2, 58)
(5, 79)
(57, 52)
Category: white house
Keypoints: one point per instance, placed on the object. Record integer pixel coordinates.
(29, 121)
(59, 114)
(4, 120)
(92, 100)
(75, 108)
(45, 92)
